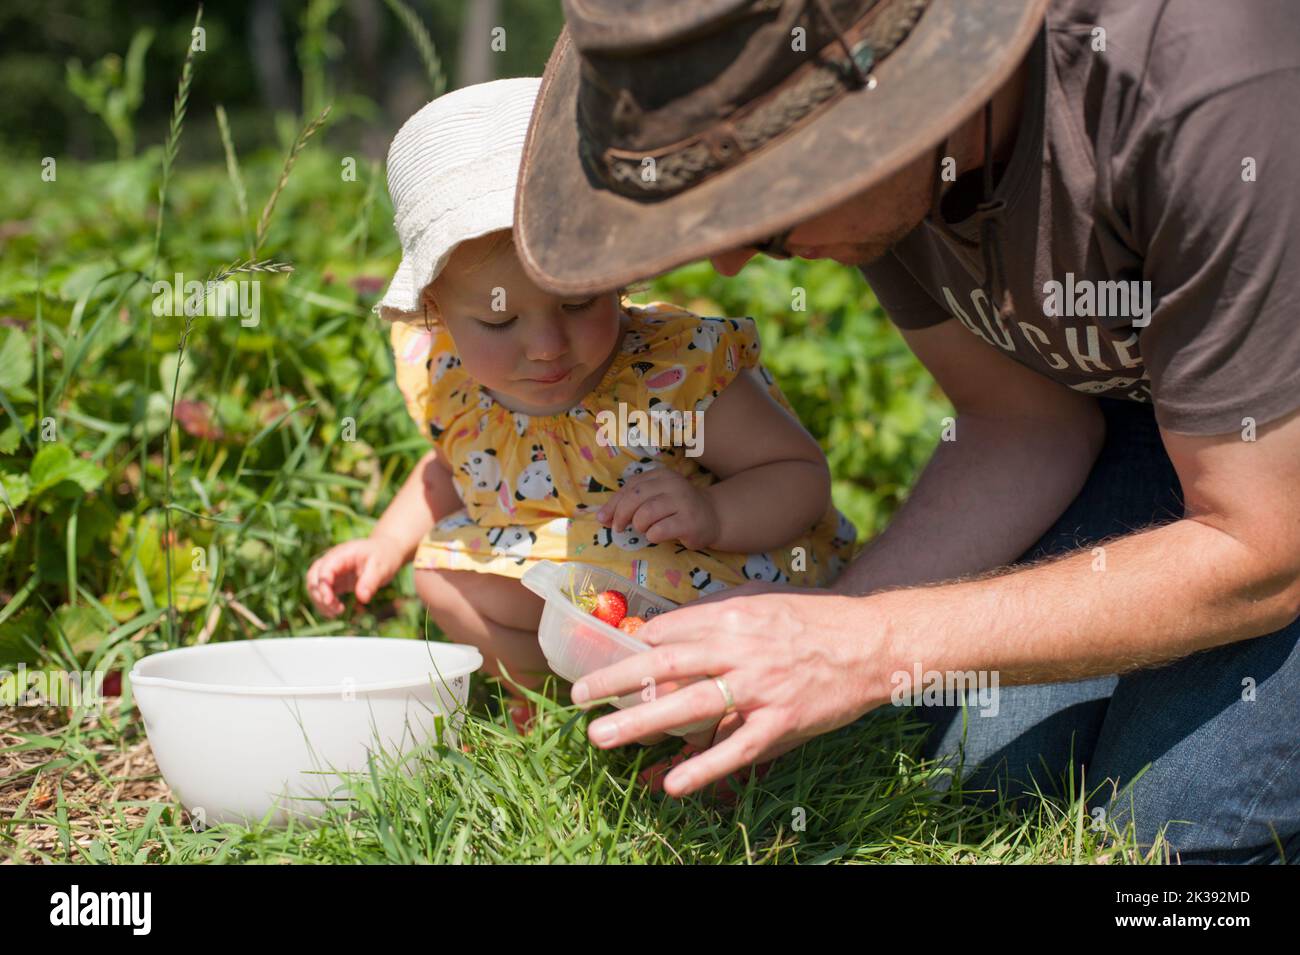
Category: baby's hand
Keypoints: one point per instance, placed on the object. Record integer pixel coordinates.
(663, 505)
(363, 565)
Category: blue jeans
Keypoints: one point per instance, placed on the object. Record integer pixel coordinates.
(1207, 748)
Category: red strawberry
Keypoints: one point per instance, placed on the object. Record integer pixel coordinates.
(113, 683)
(610, 606)
(631, 624)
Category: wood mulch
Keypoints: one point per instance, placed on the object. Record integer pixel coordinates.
(31, 775)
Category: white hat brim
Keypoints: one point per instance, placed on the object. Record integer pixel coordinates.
(426, 258)
(452, 170)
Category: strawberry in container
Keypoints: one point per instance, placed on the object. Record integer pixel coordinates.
(589, 621)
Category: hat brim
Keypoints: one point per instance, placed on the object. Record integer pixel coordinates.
(576, 237)
(428, 254)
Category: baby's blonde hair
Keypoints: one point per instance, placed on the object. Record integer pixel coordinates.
(467, 265)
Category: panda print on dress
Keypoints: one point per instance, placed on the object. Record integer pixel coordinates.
(845, 533)
(703, 582)
(638, 439)
(629, 539)
(705, 336)
(636, 467)
(661, 416)
(485, 404)
(438, 367)
(635, 343)
(535, 481)
(702, 405)
(455, 521)
(483, 469)
(512, 541)
(521, 422)
(761, 567)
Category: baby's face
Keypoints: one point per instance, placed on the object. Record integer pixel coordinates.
(539, 352)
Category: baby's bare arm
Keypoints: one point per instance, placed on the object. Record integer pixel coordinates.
(774, 482)
(428, 495)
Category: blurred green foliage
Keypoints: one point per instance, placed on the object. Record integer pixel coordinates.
(358, 55)
(287, 437)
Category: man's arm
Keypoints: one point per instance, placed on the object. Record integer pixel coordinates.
(1024, 446)
(803, 663)
(1229, 570)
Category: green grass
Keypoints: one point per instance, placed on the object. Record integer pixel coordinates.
(166, 481)
(852, 796)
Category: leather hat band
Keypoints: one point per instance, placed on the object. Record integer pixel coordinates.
(843, 65)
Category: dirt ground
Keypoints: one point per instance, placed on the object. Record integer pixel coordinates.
(32, 773)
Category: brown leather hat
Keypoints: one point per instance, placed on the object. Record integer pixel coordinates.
(669, 130)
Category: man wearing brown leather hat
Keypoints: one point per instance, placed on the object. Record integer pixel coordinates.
(1104, 195)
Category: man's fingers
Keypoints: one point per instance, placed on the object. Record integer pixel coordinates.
(680, 661)
(684, 624)
(692, 704)
(742, 748)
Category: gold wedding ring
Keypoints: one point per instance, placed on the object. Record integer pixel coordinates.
(727, 698)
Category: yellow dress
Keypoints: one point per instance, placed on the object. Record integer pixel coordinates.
(531, 485)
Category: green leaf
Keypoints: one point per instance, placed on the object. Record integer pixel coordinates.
(81, 626)
(15, 361)
(17, 489)
(55, 463)
(20, 638)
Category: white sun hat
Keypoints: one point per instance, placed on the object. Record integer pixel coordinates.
(452, 169)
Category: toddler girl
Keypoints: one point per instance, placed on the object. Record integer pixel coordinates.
(642, 439)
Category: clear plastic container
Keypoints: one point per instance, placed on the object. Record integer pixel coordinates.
(576, 643)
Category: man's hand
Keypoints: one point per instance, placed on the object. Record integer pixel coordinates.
(663, 505)
(797, 664)
(749, 589)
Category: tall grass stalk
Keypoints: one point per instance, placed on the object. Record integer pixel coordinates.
(307, 132)
(423, 45)
(172, 146)
(266, 265)
(236, 179)
(170, 149)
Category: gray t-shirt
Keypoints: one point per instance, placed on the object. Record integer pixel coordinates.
(1170, 157)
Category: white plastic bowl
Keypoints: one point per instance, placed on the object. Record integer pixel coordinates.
(253, 727)
(573, 641)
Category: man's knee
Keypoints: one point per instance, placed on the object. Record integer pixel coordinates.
(1027, 745)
